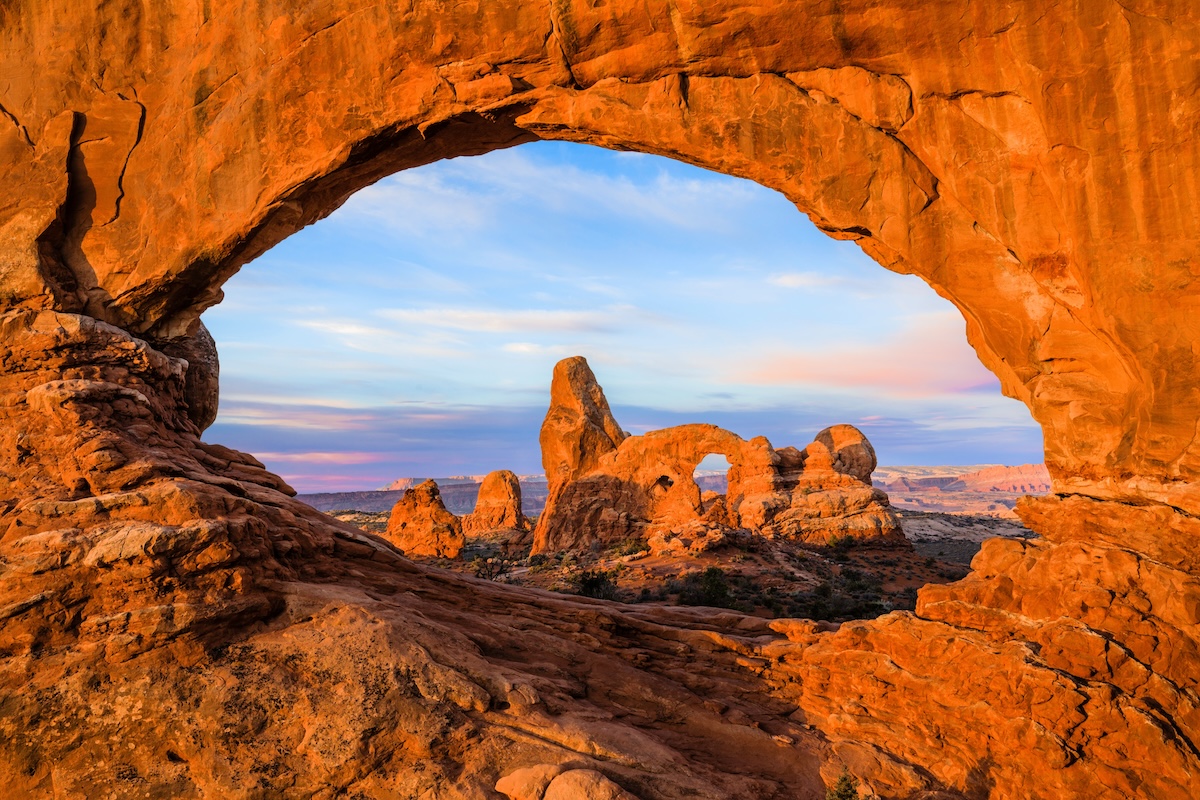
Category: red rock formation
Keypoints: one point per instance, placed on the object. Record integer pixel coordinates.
(174, 624)
(498, 508)
(554, 782)
(421, 526)
(200, 384)
(579, 429)
(849, 452)
(644, 488)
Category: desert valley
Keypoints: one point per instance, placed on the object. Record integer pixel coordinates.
(695, 545)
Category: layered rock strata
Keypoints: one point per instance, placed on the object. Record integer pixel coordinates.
(174, 624)
(643, 487)
(420, 525)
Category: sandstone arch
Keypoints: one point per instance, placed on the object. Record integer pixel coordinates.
(1035, 162)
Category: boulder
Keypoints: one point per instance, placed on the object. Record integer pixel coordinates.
(420, 525)
(498, 507)
(850, 452)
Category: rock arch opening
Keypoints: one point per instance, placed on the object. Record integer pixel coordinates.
(482, 271)
(1007, 155)
(444, 296)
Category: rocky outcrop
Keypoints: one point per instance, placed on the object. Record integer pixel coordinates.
(579, 429)
(644, 488)
(421, 526)
(498, 508)
(201, 387)
(1008, 155)
(554, 782)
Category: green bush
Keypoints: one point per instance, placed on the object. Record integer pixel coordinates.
(846, 788)
(598, 583)
(628, 547)
(707, 588)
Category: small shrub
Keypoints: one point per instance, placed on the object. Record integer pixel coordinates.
(846, 788)
(707, 588)
(490, 568)
(598, 583)
(841, 543)
(629, 546)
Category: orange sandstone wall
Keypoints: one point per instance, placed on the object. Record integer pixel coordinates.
(1035, 162)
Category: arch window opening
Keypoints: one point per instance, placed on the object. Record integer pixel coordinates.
(413, 334)
(711, 477)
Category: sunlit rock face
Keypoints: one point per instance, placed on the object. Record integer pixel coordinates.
(420, 525)
(642, 487)
(174, 624)
(497, 508)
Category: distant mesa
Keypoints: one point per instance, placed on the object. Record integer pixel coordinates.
(401, 484)
(1023, 479)
(1026, 479)
(607, 486)
(991, 490)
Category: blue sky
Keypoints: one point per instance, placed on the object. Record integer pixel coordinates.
(413, 332)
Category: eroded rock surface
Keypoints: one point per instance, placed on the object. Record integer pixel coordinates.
(420, 525)
(498, 508)
(644, 488)
(174, 624)
(579, 428)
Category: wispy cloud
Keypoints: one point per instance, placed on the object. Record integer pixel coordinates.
(322, 458)
(804, 280)
(312, 419)
(388, 341)
(468, 194)
(484, 320)
(534, 349)
(929, 356)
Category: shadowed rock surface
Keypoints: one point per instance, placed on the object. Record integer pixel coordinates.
(175, 624)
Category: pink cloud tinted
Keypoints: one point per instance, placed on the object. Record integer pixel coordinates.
(929, 357)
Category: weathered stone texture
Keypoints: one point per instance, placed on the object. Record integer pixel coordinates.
(498, 507)
(420, 525)
(643, 487)
(174, 624)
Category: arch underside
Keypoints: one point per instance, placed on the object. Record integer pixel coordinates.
(1007, 154)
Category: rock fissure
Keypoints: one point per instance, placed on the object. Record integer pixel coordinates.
(17, 124)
